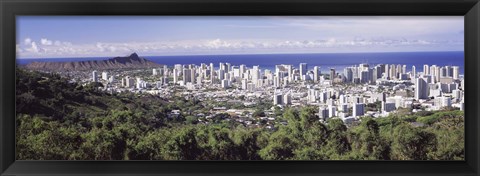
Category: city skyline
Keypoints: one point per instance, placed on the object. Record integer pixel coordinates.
(240, 88)
(53, 37)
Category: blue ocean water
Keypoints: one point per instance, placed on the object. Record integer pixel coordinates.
(324, 60)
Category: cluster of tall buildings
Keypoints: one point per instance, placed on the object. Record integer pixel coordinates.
(247, 78)
(390, 85)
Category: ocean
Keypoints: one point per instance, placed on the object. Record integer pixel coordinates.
(324, 60)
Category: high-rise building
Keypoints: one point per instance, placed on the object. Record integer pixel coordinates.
(277, 99)
(128, 82)
(255, 72)
(222, 66)
(175, 76)
(199, 80)
(364, 76)
(244, 84)
(388, 107)
(165, 70)
(95, 76)
(448, 72)
(332, 74)
(421, 89)
(358, 109)
(303, 70)
(456, 72)
(212, 73)
(443, 72)
(228, 67)
(398, 70)
(276, 81)
(154, 72)
(187, 75)
(323, 112)
(376, 73)
(332, 111)
(225, 83)
(343, 107)
(437, 74)
(287, 99)
(105, 76)
(457, 94)
(393, 72)
(289, 72)
(316, 73)
(243, 68)
(221, 74)
(414, 72)
(312, 95)
(426, 69)
(386, 72)
(236, 72)
(348, 74)
(443, 102)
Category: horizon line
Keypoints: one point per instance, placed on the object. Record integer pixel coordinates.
(78, 57)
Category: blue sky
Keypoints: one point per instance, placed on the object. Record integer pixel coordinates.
(99, 36)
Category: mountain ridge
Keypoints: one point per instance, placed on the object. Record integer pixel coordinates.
(131, 61)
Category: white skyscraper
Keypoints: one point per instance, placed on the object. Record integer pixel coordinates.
(290, 72)
(225, 83)
(303, 70)
(221, 74)
(456, 72)
(364, 78)
(277, 99)
(414, 72)
(443, 102)
(386, 72)
(333, 75)
(316, 73)
(95, 76)
(255, 72)
(128, 82)
(187, 75)
(228, 67)
(175, 76)
(332, 111)
(212, 73)
(388, 107)
(165, 70)
(393, 72)
(426, 70)
(421, 89)
(358, 109)
(437, 74)
(222, 66)
(348, 74)
(244, 84)
(105, 76)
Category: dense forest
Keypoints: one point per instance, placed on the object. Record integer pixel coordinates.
(62, 120)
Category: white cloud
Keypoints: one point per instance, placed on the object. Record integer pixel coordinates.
(45, 41)
(27, 41)
(34, 48)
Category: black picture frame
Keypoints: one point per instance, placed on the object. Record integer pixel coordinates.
(11, 8)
